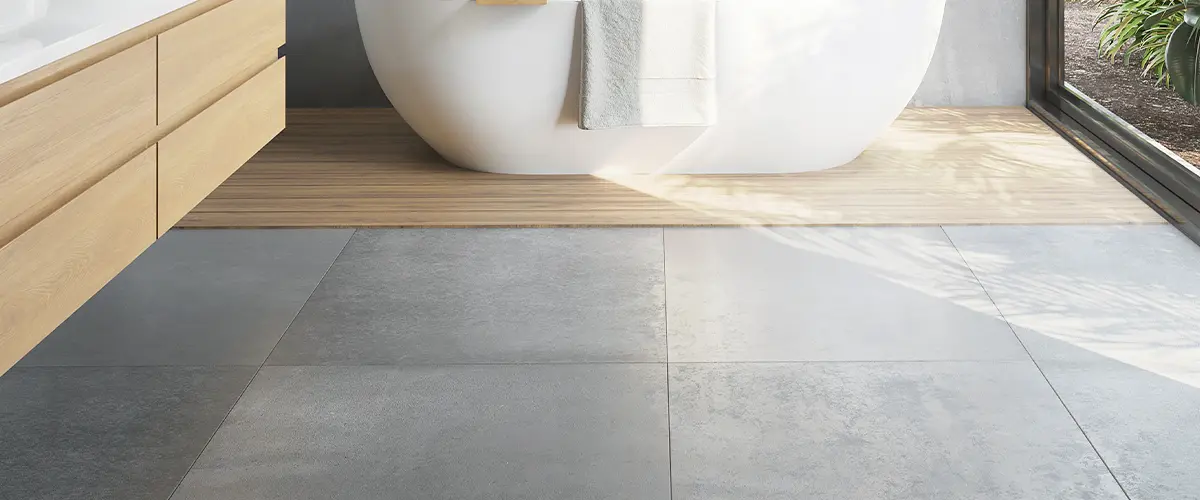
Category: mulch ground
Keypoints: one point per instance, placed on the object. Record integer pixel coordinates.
(1153, 109)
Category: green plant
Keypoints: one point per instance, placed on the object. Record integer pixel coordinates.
(1127, 33)
(1183, 52)
(1162, 35)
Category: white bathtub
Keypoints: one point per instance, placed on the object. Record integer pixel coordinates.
(802, 84)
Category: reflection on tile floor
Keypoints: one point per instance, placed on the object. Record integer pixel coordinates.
(877, 431)
(108, 432)
(220, 297)
(464, 432)
(624, 363)
(822, 294)
(432, 296)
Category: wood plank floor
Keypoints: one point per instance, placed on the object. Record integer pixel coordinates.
(366, 168)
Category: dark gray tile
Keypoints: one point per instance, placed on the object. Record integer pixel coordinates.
(820, 294)
(108, 433)
(197, 297)
(485, 295)
(1144, 423)
(881, 431)
(1093, 293)
(595, 431)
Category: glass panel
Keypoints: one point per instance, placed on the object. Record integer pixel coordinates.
(1114, 74)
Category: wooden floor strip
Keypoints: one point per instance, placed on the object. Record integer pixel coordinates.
(366, 168)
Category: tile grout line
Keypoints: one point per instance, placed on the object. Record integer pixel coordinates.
(667, 369)
(1036, 365)
(237, 400)
(548, 363)
(618, 362)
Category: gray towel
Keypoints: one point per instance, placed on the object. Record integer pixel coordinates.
(648, 63)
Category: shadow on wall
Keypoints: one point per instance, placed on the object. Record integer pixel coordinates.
(980, 59)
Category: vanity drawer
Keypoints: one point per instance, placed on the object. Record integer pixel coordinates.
(62, 138)
(229, 42)
(198, 156)
(50, 270)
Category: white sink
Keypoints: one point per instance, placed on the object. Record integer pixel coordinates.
(17, 14)
(34, 33)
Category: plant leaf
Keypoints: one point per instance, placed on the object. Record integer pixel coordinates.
(1158, 17)
(1183, 62)
(1192, 15)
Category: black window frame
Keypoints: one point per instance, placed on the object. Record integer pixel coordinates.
(1161, 178)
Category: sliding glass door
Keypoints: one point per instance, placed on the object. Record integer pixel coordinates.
(1098, 74)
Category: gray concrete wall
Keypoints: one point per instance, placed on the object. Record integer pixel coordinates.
(980, 59)
(327, 65)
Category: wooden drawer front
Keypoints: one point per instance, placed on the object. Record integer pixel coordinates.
(196, 158)
(59, 140)
(197, 57)
(50, 270)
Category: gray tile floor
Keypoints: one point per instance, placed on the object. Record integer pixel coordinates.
(840, 363)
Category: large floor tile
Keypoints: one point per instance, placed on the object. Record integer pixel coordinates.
(1144, 424)
(881, 431)
(197, 297)
(108, 433)
(820, 294)
(596, 431)
(485, 295)
(1093, 293)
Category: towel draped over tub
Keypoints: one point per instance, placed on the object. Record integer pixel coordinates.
(648, 63)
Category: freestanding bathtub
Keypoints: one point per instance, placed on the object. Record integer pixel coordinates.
(802, 84)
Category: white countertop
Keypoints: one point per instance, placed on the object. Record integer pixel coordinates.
(73, 25)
